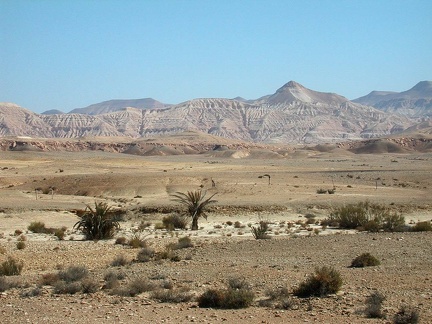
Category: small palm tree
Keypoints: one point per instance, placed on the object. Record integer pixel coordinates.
(196, 203)
(98, 223)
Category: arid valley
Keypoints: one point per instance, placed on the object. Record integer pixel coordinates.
(273, 183)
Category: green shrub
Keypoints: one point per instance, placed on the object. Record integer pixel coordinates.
(374, 305)
(406, 315)
(365, 260)
(325, 281)
(174, 221)
(367, 216)
(11, 267)
(98, 223)
(422, 227)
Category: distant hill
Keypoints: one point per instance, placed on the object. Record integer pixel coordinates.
(116, 105)
(415, 102)
(53, 112)
(293, 114)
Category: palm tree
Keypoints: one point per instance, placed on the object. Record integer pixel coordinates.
(98, 223)
(196, 203)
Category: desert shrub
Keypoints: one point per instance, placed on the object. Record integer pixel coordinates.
(63, 287)
(238, 283)
(285, 303)
(237, 295)
(119, 261)
(112, 278)
(174, 221)
(183, 243)
(260, 232)
(145, 254)
(73, 274)
(49, 279)
(365, 260)
(321, 191)
(180, 295)
(89, 286)
(98, 223)
(211, 298)
(136, 241)
(4, 284)
(60, 233)
(325, 281)
(237, 298)
(11, 267)
(374, 305)
(31, 292)
(20, 245)
(277, 293)
(229, 223)
(372, 217)
(238, 224)
(422, 227)
(18, 232)
(37, 227)
(134, 287)
(406, 315)
(331, 191)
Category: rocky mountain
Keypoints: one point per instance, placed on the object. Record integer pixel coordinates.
(116, 105)
(293, 114)
(415, 102)
(53, 112)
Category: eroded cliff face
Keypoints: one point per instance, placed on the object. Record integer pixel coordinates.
(293, 114)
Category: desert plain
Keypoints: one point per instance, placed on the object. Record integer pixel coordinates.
(250, 185)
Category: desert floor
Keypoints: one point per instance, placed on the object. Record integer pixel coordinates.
(143, 186)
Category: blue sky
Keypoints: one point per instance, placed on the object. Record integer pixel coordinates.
(66, 54)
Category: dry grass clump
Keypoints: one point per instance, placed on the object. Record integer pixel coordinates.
(11, 267)
(134, 287)
(325, 281)
(260, 232)
(183, 243)
(365, 260)
(39, 227)
(119, 261)
(145, 254)
(71, 281)
(136, 241)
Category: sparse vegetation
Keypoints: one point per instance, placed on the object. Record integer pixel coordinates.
(175, 221)
(37, 227)
(260, 232)
(179, 295)
(422, 227)
(406, 315)
(325, 281)
(374, 305)
(367, 216)
(145, 254)
(119, 261)
(73, 273)
(11, 267)
(137, 241)
(365, 260)
(98, 223)
(195, 203)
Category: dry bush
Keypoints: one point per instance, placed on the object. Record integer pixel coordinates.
(49, 279)
(31, 292)
(89, 286)
(63, 287)
(145, 254)
(11, 267)
(422, 227)
(134, 287)
(73, 274)
(260, 232)
(325, 281)
(180, 295)
(365, 260)
(20, 245)
(183, 243)
(37, 227)
(174, 221)
(119, 261)
(121, 240)
(406, 315)
(136, 241)
(374, 305)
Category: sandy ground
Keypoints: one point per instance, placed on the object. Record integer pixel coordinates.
(221, 251)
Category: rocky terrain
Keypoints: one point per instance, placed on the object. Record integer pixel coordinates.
(293, 114)
(223, 247)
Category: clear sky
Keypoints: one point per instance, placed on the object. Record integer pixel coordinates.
(66, 54)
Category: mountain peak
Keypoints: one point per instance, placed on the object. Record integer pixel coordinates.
(423, 86)
(290, 85)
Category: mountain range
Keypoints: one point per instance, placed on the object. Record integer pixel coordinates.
(293, 114)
